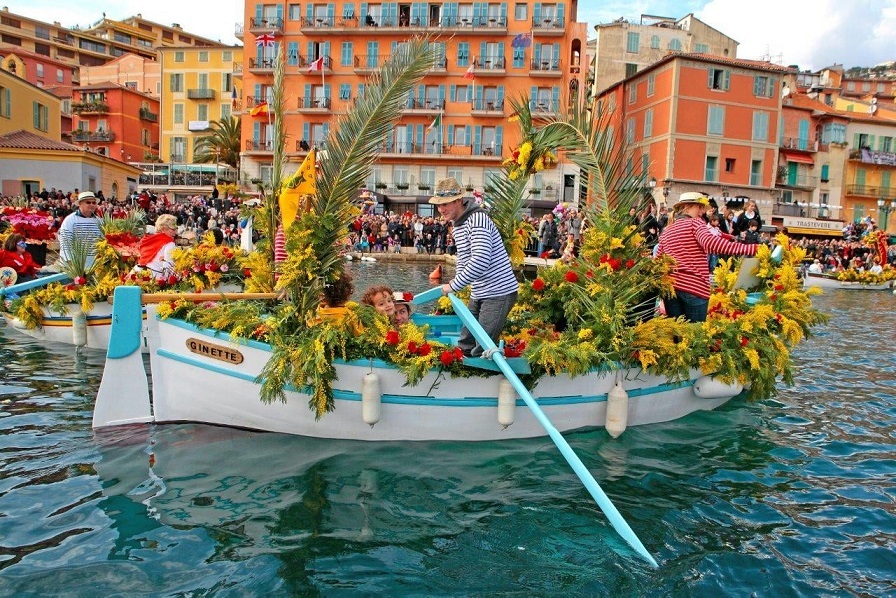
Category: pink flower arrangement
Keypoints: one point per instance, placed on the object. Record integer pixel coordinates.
(35, 225)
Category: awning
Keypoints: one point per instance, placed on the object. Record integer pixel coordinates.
(795, 157)
(798, 230)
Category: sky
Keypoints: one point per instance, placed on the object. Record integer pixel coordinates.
(812, 34)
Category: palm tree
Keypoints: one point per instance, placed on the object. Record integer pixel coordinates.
(223, 145)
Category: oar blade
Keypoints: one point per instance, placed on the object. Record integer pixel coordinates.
(427, 296)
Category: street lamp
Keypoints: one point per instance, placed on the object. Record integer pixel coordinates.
(884, 210)
(667, 189)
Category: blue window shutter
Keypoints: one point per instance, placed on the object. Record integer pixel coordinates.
(306, 132)
(477, 93)
(364, 10)
(477, 139)
(467, 134)
(557, 53)
(326, 131)
(560, 11)
(421, 92)
(452, 92)
(536, 12)
(501, 50)
(499, 139)
(500, 93)
(533, 97)
(555, 98)
(307, 101)
(483, 48)
(331, 12)
(327, 93)
(309, 12)
(536, 53)
(442, 92)
(256, 131)
(855, 140)
(258, 9)
(824, 171)
(280, 11)
(450, 134)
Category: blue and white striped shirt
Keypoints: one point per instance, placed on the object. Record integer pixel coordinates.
(76, 226)
(482, 260)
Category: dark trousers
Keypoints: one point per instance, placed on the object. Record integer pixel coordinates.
(692, 307)
(491, 314)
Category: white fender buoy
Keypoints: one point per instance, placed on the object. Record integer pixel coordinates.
(367, 259)
(506, 403)
(617, 411)
(707, 387)
(348, 257)
(371, 398)
(79, 328)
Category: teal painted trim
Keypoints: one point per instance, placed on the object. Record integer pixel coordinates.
(219, 334)
(32, 284)
(205, 366)
(127, 319)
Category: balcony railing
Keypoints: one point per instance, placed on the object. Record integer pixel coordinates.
(201, 94)
(486, 105)
(304, 146)
(439, 149)
(539, 25)
(551, 65)
(303, 63)
(434, 105)
(145, 114)
(79, 135)
(868, 156)
(490, 64)
(310, 103)
(90, 107)
(265, 25)
(870, 191)
(265, 64)
(799, 144)
(369, 62)
(544, 106)
(255, 145)
(797, 180)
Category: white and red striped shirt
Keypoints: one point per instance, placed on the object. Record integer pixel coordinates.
(690, 241)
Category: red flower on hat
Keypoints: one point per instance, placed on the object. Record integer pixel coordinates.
(407, 296)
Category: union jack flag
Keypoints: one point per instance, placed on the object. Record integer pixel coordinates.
(265, 40)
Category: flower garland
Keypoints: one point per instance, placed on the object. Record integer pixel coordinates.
(206, 265)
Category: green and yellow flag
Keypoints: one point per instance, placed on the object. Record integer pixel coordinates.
(303, 182)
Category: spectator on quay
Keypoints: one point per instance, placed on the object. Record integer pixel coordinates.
(482, 263)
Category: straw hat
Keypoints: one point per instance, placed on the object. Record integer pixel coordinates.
(84, 195)
(693, 197)
(447, 190)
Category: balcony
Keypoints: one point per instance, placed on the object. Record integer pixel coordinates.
(799, 144)
(104, 136)
(549, 67)
(874, 191)
(490, 67)
(365, 64)
(255, 145)
(434, 148)
(425, 106)
(549, 26)
(201, 94)
(265, 25)
(314, 104)
(238, 69)
(261, 67)
(488, 107)
(866, 156)
(145, 114)
(303, 63)
(544, 107)
(797, 180)
(90, 107)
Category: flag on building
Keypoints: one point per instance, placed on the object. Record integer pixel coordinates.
(233, 98)
(317, 65)
(469, 74)
(436, 122)
(522, 40)
(259, 110)
(265, 40)
(302, 183)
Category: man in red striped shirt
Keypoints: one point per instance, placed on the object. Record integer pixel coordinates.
(690, 241)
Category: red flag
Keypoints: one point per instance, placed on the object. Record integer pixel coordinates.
(317, 65)
(470, 75)
(882, 247)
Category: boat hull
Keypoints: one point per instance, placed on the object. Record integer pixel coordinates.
(200, 376)
(57, 327)
(827, 282)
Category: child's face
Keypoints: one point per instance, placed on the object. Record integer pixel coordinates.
(384, 304)
(402, 314)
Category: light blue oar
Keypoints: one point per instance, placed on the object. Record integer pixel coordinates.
(603, 501)
(33, 284)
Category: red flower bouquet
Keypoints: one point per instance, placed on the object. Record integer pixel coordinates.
(35, 225)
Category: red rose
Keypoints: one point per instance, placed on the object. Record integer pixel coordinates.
(615, 264)
(571, 276)
(629, 264)
(424, 350)
(458, 354)
(447, 358)
(247, 272)
(743, 341)
(412, 347)
(538, 285)
(392, 337)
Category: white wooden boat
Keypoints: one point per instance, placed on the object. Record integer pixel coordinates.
(201, 376)
(825, 281)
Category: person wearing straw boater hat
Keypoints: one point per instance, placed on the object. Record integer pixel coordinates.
(689, 241)
(82, 224)
(482, 263)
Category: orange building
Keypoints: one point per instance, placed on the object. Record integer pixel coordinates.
(528, 48)
(702, 123)
(116, 121)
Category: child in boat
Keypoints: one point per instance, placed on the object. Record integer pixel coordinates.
(334, 298)
(381, 298)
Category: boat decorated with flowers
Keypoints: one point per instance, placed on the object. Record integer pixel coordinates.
(75, 311)
(853, 280)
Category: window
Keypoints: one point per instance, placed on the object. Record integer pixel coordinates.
(520, 13)
(60, 76)
(885, 144)
(178, 114)
(462, 93)
(716, 124)
(345, 91)
(5, 107)
(176, 82)
(833, 133)
(428, 177)
(203, 80)
(655, 42)
(763, 87)
(729, 164)
(203, 56)
(651, 84)
(40, 70)
(202, 112)
(226, 112)
(675, 45)
(519, 58)
(179, 56)
(630, 69)
(719, 79)
(346, 54)
(702, 49)
(632, 93)
(760, 126)
(456, 173)
(226, 82)
(463, 54)
(648, 122)
(294, 12)
(630, 131)
(41, 117)
(227, 56)
(825, 170)
(866, 86)
(710, 172)
(756, 172)
(632, 42)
